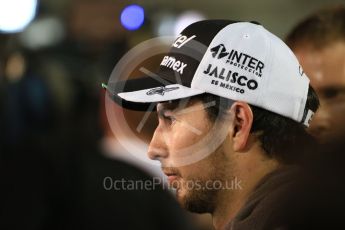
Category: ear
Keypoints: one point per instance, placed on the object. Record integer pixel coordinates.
(241, 124)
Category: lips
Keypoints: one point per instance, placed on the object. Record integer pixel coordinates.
(171, 176)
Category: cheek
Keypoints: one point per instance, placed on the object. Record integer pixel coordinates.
(188, 140)
(183, 136)
(199, 171)
(337, 121)
(332, 112)
(180, 142)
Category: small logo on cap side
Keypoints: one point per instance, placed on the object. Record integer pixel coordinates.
(300, 69)
(161, 90)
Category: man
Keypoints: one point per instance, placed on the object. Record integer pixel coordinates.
(319, 44)
(233, 104)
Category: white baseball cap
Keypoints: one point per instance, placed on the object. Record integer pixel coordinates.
(241, 61)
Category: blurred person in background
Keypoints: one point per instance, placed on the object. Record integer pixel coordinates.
(27, 121)
(319, 43)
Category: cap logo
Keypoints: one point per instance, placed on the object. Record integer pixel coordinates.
(238, 59)
(300, 69)
(182, 40)
(160, 90)
(225, 79)
(172, 63)
(219, 51)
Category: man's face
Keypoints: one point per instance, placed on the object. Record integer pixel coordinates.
(326, 70)
(187, 128)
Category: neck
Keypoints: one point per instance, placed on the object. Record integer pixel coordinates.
(227, 208)
(252, 167)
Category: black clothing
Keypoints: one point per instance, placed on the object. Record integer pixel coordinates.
(72, 192)
(292, 198)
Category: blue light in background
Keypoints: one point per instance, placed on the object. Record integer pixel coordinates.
(132, 17)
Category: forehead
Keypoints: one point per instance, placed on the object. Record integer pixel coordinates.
(325, 67)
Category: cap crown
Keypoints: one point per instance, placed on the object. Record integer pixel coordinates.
(240, 61)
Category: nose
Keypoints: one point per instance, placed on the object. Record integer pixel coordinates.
(158, 148)
(321, 121)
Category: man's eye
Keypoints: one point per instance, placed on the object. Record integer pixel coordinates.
(167, 117)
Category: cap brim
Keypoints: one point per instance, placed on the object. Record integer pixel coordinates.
(139, 94)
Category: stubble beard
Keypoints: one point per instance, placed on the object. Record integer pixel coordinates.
(198, 201)
(203, 198)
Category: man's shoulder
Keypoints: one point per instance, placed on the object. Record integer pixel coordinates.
(288, 198)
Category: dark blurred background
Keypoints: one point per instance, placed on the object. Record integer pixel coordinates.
(54, 55)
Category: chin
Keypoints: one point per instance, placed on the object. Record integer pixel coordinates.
(195, 201)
